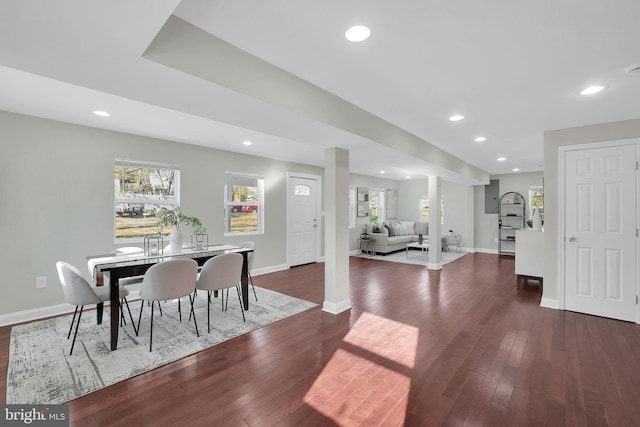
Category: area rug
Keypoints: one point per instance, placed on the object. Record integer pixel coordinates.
(416, 257)
(41, 371)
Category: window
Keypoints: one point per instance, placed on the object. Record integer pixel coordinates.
(352, 207)
(244, 204)
(536, 199)
(376, 205)
(423, 206)
(142, 190)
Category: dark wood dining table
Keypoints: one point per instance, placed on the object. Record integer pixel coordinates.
(116, 267)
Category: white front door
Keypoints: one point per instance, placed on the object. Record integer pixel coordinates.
(600, 231)
(303, 221)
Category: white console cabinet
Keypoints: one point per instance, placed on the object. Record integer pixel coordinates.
(529, 255)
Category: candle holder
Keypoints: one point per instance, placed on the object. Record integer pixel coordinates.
(153, 244)
(199, 241)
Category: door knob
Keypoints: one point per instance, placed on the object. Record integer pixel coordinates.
(572, 239)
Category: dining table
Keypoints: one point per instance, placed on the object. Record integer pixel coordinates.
(117, 267)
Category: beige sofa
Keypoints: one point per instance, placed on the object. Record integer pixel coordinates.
(403, 232)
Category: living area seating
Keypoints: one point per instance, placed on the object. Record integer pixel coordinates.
(393, 236)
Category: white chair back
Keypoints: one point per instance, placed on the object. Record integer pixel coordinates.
(77, 291)
(169, 280)
(221, 272)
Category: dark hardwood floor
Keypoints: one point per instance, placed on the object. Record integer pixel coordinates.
(459, 346)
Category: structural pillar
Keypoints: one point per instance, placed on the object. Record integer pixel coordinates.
(336, 201)
(435, 227)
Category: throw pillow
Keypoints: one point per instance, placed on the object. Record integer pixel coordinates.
(409, 225)
(389, 228)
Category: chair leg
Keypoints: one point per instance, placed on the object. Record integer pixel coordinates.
(151, 332)
(76, 333)
(240, 301)
(72, 322)
(179, 309)
(253, 287)
(140, 317)
(191, 299)
(122, 319)
(208, 312)
(126, 303)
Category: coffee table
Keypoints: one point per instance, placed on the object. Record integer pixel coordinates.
(424, 246)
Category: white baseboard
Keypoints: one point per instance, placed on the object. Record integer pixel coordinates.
(49, 311)
(550, 303)
(487, 251)
(270, 269)
(336, 308)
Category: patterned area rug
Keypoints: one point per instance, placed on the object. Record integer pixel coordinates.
(42, 372)
(415, 256)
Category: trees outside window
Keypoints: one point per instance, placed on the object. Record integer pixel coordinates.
(142, 191)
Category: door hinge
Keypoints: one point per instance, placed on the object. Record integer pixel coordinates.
(636, 299)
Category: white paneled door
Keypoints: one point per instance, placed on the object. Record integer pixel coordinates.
(600, 231)
(302, 223)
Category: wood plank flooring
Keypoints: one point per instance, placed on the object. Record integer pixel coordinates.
(459, 346)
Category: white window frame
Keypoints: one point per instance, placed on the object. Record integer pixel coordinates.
(532, 190)
(143, 199)
(260, 183)
(381, 207)
(423, 202)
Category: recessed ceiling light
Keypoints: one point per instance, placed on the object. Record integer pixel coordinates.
(247, 143)
(516, 169)
(591, 90)
(480, 139)
(383, 172)
(456, 117)
(501, 159)
(101, 113)
(357, 33)
(408, 176)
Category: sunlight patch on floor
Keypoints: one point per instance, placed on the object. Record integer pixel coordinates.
(366, 381)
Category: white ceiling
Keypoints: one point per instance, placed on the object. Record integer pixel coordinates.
(513, 68)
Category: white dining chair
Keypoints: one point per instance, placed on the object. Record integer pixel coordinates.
(77, 291)
(250, 245)
(169, 280)
(220, 273)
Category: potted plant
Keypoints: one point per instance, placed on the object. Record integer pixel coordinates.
(176, 218)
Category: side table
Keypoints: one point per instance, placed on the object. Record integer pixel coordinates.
(454, 241)
(366, 246)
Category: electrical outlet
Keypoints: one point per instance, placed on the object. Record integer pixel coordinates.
(41, 282)
(496, 240)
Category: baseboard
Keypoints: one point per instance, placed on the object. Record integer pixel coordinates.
(336, 308)
(270, 269)
(49, 311)
(550, 303)
(487, 251)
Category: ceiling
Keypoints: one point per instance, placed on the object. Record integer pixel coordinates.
(514, 69)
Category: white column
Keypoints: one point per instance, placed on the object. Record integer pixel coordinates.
(336, 200)
(435, 228)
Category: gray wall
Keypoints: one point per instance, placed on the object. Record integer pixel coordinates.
(56, 189)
